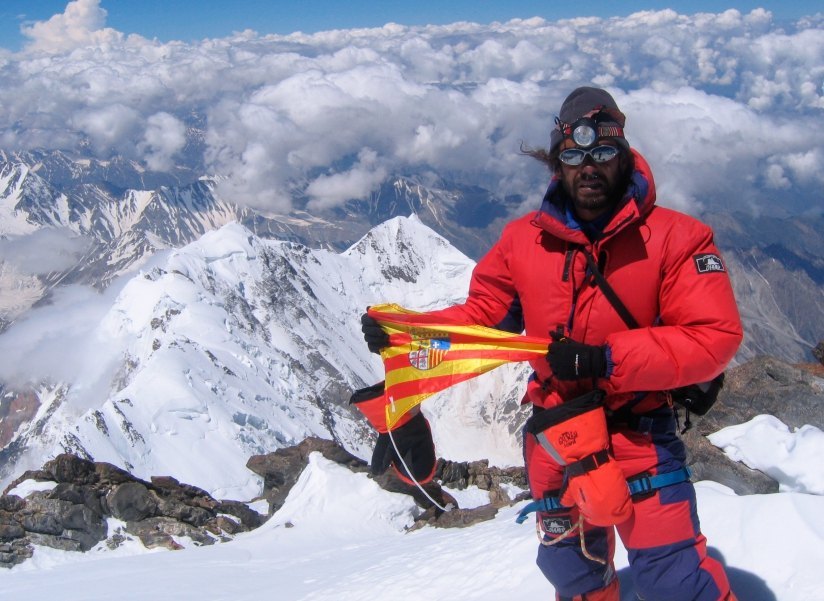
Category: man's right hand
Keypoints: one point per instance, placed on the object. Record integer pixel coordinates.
(373, 334)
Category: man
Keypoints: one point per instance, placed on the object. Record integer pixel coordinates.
(601, 413)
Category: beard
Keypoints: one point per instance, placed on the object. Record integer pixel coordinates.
(596, 191)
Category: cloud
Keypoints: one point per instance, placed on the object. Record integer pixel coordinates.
(80, 25)
(163, 138)
(364, 177)
(39, 341)
(43, 251)
(109, 128)
(721, 104)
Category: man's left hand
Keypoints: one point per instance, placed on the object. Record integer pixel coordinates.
(570, 360)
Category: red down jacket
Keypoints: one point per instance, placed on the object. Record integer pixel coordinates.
(663, 265)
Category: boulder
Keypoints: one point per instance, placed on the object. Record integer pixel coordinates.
(131, 502)
(73, 515)
(281, 469)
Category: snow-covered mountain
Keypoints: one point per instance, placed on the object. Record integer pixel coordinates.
(116, 227)
(234, 345)
(777, 268)
(776, 262)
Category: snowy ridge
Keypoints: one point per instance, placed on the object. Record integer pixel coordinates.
(120, 229)
(339, 537)
(233, 346)
(18, 186)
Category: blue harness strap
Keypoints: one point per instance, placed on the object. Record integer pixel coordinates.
(645, 484)
(545, 504)
(637, 486)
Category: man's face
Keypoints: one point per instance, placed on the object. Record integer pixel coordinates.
(594, 187)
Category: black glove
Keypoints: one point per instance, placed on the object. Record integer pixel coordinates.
(570, 360)
(373, 334)
(414, 440)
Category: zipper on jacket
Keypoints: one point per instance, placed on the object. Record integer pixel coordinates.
(569, 263)
(570, 256)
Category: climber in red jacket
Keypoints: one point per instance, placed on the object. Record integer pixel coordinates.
(601, 413)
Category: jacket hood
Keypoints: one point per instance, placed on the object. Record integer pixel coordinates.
(636, 204)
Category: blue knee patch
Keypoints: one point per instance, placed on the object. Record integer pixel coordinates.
(672, 572)
(565, 566)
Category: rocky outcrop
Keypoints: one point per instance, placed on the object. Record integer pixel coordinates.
(762, 386)
(281, 469)
(73, 514)
(818, 352)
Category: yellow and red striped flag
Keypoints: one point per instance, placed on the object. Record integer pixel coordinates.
(427, 354)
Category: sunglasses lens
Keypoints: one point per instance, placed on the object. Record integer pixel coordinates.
(572, 156)
(602, 154)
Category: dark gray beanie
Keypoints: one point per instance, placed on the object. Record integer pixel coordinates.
(580, 103)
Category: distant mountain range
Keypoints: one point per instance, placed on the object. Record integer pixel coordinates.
(234, 333)
(124, 214)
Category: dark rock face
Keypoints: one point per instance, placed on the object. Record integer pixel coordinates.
(793, 394)
(131, 501)
(818, 352)
(73, 515)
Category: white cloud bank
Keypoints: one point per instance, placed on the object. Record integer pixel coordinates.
(80, 25)
(723, 105)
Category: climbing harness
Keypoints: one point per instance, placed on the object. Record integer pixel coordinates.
(639, 487)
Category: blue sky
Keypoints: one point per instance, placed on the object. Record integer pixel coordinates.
(190, 20)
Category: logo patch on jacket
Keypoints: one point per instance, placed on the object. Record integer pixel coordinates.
(568, 438)
(555, 525)
(708, 263)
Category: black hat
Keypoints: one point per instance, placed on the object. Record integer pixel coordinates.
(589, 102)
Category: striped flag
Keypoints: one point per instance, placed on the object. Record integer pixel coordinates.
(427, 354)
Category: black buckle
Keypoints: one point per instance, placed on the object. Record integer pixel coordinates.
(587, 464)
(640, 486)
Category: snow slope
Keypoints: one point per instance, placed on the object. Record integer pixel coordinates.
(234, 346)
(341, 538)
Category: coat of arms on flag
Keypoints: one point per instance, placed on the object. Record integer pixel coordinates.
(429, 353)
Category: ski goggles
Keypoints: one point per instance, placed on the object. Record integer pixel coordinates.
(599, 154)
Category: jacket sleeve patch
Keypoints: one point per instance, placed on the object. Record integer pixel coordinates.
(708, 263)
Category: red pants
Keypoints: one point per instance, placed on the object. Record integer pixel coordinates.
(667, 552)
